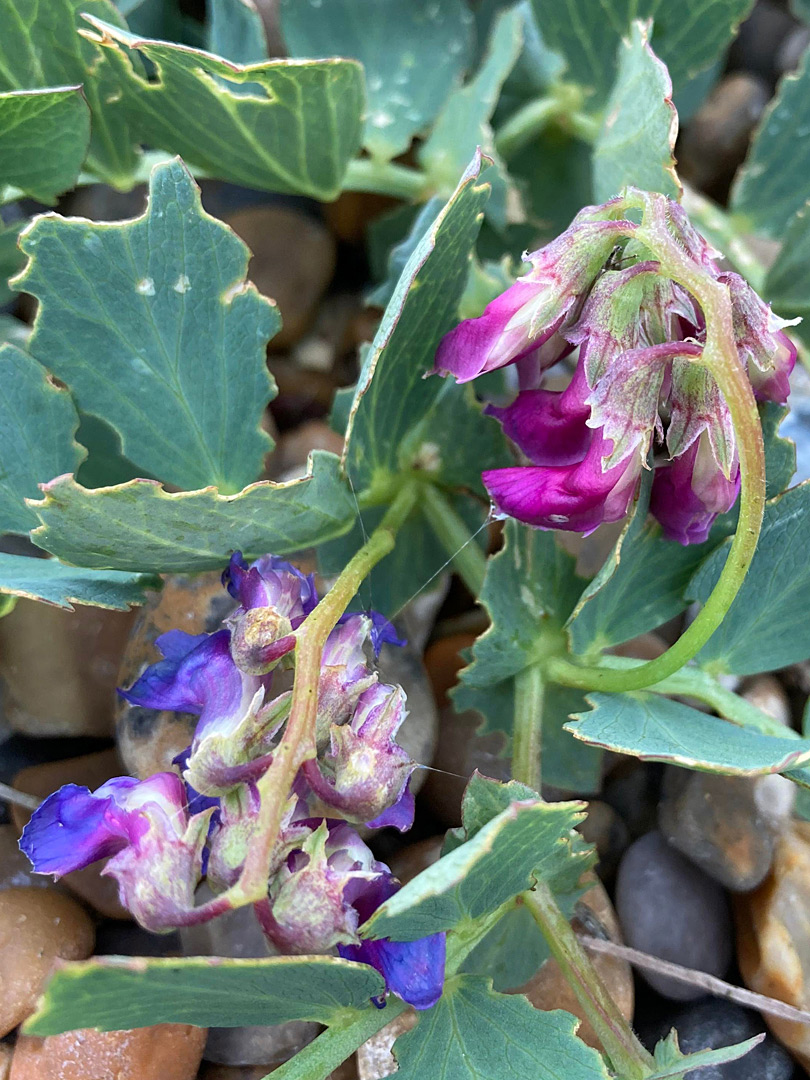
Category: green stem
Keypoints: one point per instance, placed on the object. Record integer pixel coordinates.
(386, 178)
(628, 1057)
(720, 356)
(562, 107)
(333, 1046)
(451, 530)
(298, 742)
(528, 727)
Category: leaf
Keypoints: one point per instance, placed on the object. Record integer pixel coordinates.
(531, 581)
(392, 395)
(295, 132)
(114, 993)
(474, 1034)
(11, 258)
(773, 183)
(412, 53)
(688, 36)
(138, 525)
(38, 422)
(105, 465)
(54, 583)
(656, 728)
(236, 31)
(414, 565)
(463, 123)
(767, 626)
(40, 48)
(399, 253)
(151, 324)
(787, 285)
(32, 119)
(673, 1064)
(528, 840)
(636, 142)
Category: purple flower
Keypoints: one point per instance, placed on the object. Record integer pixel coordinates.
(413, 970)
(690, 491)
(345, 673)
(369, 771)
(528, 319)
(154, 846)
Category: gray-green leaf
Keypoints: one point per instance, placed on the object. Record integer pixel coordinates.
(412, 54)
(236, 32)
(152, 325)
(787, 285)
(636, 142)
(296, 132)
(58, 119)
(38, 421)
(474, 1033)
(656, 728)
(113, 993)
(767, 626)
(54, 583)
(138, 525)
(774, 182)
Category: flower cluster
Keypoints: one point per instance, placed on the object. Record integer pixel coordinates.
(164, 834)
(638, 389)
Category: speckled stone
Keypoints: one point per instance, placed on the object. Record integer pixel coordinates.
(374, 1058)
(773, 936)
(58, 668)
(163, 1052)
(37, 927)
(669, 908)
(148, 739)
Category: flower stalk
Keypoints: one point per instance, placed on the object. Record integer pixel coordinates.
(527, 733)
(298, 743)
(469, 561)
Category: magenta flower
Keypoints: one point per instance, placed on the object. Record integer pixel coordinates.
(639, 396)
(155, 848)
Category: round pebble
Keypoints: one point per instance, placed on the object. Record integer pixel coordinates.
(163, 1052)
(37, 927)
(713, 1023)
(669, 908)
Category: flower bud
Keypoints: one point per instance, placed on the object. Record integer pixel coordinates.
(155, 848)
(345, 673)
(767, 351)
(369, 770)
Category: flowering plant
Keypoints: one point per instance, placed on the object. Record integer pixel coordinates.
(629, 369)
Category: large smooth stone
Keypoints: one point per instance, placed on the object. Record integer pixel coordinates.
(163, 1052)
(669, 908)
(37, 927)
(773, 936)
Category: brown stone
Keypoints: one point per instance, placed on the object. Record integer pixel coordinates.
(415, 858)
(549, 989)
(15, 869)
(443, 661)
(295, 446)
(37, 927)
(58, 668)
(773, 936)
(148, 739)
(6, 1054)
(90, 770)
(293, 262)
(374, 1058)
(346, 1071)
(768, 694)
(163, 1052)
(459, 752)
(608, 833)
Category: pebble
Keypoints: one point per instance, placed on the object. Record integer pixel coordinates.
(721, 824)
(374, 1058)
(15, 869)
(148, 739)
(716, 139)
(6, 1054)
(293, 262)
(163, 1052)
(608, 833)
(792, 49)
(419, 733)
(295, 446)
(346, 1071)
(756, 46)
(459, 752)
(37, 927)
(632, 788)
(443, 661)
(91, 770)
(768, 694)
(238, 934)
(713, 1023)
(669, 908)
(549, 989)
(413, 859)
(58, 668)
(773, 936)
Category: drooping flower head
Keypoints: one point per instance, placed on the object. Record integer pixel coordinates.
(639, 397)
(154, 846)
